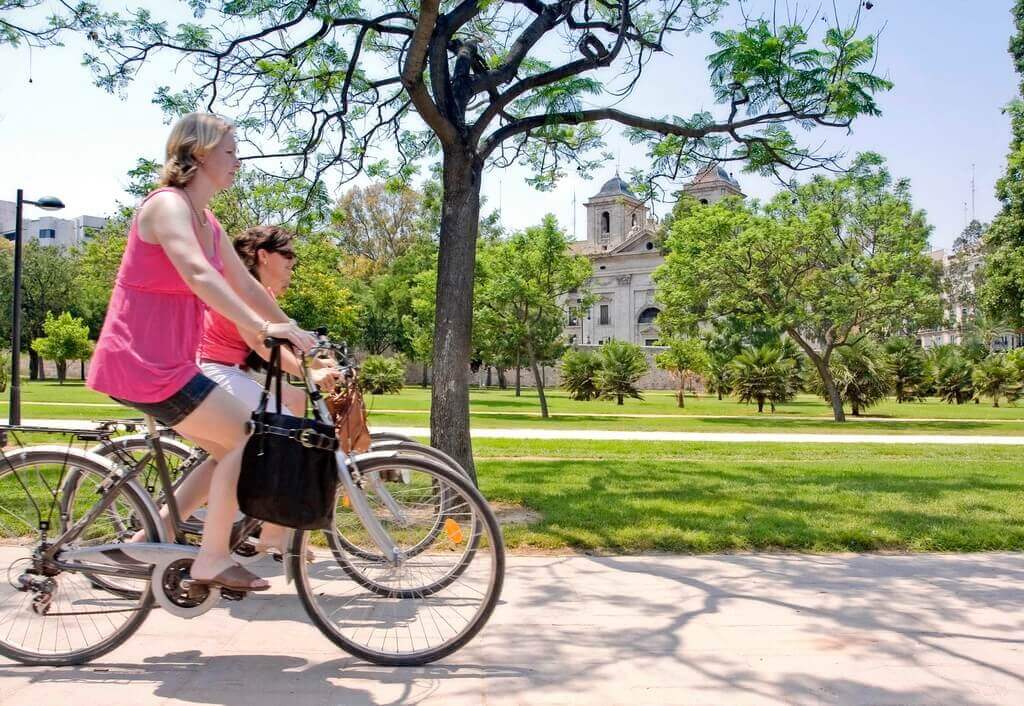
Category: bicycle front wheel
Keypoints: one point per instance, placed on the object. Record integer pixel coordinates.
(50, 616)
(425, 605)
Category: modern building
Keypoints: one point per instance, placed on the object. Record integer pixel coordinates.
(48, 230)
(622, 245)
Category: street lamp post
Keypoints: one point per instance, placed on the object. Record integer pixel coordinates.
(47, 203)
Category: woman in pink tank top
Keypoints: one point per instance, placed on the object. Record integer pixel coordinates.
(177, 263)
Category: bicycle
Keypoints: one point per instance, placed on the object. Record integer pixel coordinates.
(53, 613)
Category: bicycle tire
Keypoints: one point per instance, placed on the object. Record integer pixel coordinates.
(40, 457)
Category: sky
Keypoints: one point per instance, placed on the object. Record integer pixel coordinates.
(942, 123)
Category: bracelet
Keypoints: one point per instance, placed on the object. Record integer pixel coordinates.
(265, 329)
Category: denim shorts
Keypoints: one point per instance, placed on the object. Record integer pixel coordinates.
(174, 409)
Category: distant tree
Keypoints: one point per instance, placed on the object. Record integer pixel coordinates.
(67, 338)
(686, 360)
(319, 294)
(524, 280)
(620, 366)
(787, 266)
(1002, 293)
(378, 222)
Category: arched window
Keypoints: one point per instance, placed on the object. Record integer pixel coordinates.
(704, 201)
(606, 222)
(633, 220)
(649, 245)
(648, 315)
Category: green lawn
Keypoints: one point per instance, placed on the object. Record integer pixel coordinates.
(500, 408)
(700, 497)
(616, 496)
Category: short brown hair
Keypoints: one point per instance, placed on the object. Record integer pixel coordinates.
(191, 138)
(252, 240)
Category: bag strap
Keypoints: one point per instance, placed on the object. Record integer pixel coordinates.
(273, 376)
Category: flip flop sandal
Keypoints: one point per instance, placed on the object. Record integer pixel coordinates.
(234, 578)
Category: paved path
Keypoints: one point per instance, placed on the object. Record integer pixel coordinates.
(686, 436)
(728, 630)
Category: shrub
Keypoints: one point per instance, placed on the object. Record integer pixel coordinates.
(621, 364)
(578, 368)
(995, 378)
(909, 369)
(379, 375)
(762, 374)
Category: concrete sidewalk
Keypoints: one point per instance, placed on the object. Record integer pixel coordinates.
(825, 437)
(725, 630)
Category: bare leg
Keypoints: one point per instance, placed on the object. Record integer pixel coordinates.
(221, 420)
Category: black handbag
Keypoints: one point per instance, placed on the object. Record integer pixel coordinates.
(289, 473)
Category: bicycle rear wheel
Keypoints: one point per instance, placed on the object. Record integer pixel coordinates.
(50, 616)
(428, 604)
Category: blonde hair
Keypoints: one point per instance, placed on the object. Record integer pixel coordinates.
(191, 138)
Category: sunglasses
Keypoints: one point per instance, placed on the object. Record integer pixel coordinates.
(287, 254)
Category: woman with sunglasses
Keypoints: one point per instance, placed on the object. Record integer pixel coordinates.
(268, 254)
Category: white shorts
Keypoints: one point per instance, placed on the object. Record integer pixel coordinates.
(237, 382)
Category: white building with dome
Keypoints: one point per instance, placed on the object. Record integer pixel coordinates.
(622, 245)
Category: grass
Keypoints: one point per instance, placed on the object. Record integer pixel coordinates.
(614, 496)
(491, 408)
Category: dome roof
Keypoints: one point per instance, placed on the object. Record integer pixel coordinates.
(614, 187)
(726, 176)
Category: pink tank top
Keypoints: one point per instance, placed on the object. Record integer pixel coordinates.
(221, 340)
(147, 348)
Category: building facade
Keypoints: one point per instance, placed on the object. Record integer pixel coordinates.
(48, 230)
(623, 249)
(959, 273)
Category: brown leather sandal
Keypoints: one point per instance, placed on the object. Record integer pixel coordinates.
(234, 578)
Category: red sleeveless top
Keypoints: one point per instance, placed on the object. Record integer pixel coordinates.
(147, 348)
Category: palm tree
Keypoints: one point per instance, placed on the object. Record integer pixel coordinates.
(762, 374)
(951, 374)
(993, 377)
(621, 364)
(578, 368)
(862, 373)
(909, 371)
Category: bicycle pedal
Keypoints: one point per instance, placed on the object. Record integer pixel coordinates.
(232, 595)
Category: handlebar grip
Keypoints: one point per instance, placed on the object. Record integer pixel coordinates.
(272, 342)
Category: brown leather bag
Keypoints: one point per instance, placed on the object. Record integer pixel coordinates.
(349, 413)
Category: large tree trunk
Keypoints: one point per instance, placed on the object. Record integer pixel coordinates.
(502, 382)
(33, 364)
(487, 382)
(460, 220)
(681, 396)
(62, 371)
(81, 368)
(821, 365)
(425, 381)
(539, 381)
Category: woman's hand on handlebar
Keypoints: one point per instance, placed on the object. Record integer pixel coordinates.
(302, 340)
(326, 379)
